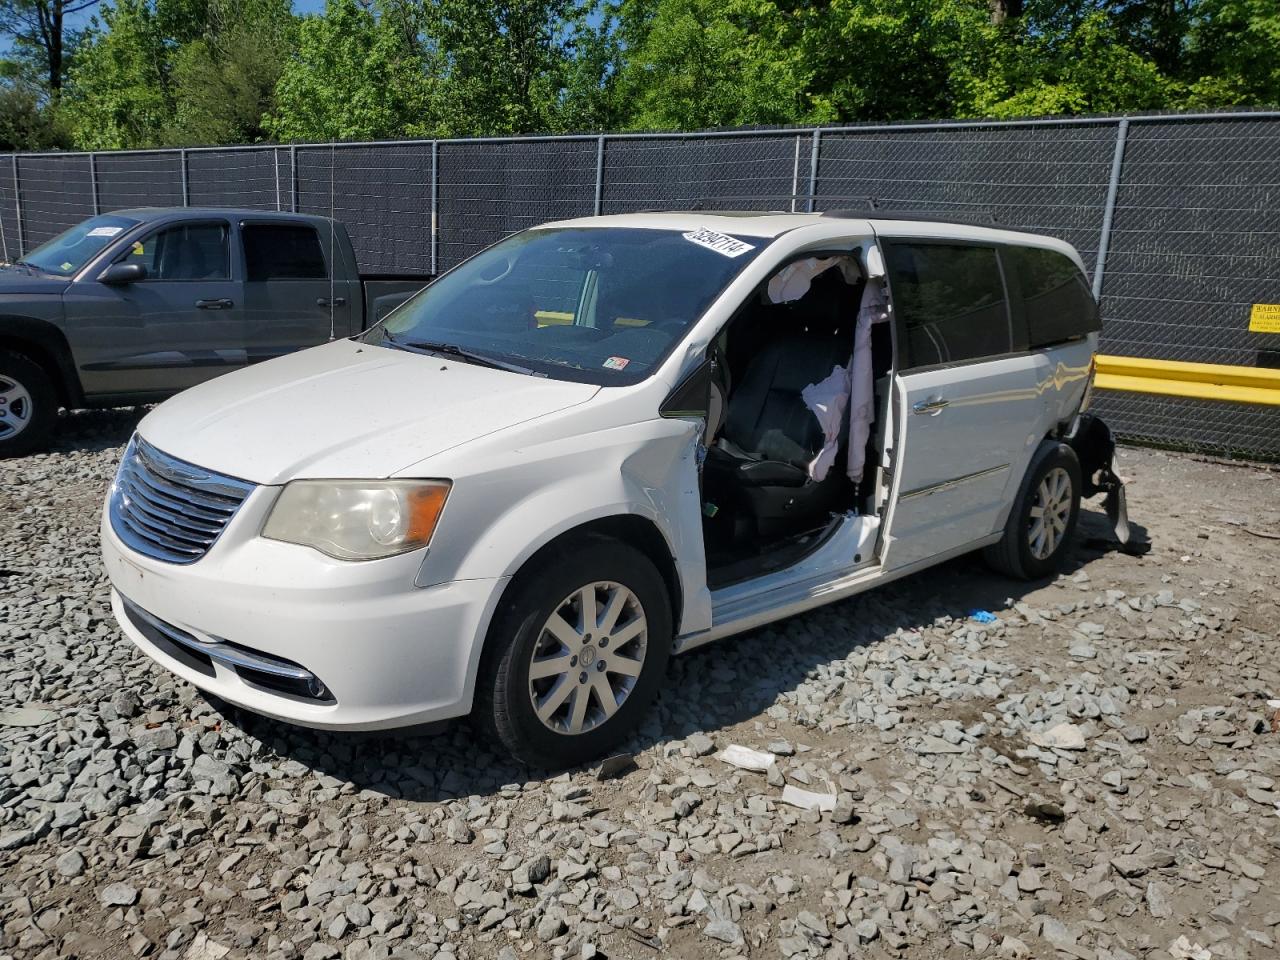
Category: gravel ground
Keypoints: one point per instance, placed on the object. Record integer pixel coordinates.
(1092, 775)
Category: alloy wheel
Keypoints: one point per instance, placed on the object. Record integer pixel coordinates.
(15, 408)
(1050, 513)
(588, 657)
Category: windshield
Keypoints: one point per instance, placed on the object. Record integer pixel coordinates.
(599, 305)
(70, 250)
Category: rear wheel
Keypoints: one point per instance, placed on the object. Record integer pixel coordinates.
(576, 653)
(28, 405)
(1043, 518)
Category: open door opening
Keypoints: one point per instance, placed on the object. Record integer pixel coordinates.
(785, 465)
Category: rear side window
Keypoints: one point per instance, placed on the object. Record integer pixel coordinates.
(1058, 302)
(274, 251)
(950, 302)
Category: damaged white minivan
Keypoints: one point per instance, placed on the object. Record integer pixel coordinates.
(601, 442)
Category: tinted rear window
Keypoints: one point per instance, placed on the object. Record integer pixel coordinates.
(279, 252)
(949, 301)
(1058, 301)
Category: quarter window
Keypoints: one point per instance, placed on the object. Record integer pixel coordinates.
(274, 251)
(191, 251)
(950, 302)
(1058, 302)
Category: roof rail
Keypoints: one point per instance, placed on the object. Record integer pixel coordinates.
(985, 219)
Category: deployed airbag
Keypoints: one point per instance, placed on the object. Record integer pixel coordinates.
(828, 399)
(849, 388)
(873, 309)
(792, 281)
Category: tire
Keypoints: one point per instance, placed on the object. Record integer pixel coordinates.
(1028, 551)
(28, 405)
(554, 586)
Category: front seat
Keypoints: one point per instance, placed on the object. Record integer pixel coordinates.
(759, 467)
(758, 470)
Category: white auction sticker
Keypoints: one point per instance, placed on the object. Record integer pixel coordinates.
(104, 231)
(718, 242)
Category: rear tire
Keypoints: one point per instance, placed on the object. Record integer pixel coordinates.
(28, 405)
(557, 687)
(1043, 519)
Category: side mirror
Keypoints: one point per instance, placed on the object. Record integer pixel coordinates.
(121, 273)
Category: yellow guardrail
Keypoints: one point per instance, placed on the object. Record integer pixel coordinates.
(1177, 378)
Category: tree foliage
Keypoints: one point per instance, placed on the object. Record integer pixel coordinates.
(149, 72)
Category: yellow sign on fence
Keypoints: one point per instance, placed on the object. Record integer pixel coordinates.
(1265, 318)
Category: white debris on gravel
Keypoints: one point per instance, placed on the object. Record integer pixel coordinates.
(1093, 775)
(744, 758)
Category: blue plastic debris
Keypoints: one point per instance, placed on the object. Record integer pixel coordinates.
(983, 616)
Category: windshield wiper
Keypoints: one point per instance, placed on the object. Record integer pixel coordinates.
(460, 353)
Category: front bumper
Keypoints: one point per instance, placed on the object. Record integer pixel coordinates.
(284, 631)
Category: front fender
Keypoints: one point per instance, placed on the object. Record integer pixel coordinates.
(44, 340)
(522, 498)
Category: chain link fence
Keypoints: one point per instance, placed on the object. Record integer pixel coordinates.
(1174, 215)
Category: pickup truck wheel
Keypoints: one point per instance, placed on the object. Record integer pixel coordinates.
(1043, 518)
(575, 654)
(28, 405)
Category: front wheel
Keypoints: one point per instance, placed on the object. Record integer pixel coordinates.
(1043, 519)
(28, 405)
(576, 653)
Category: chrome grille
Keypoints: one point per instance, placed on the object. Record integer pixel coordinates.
(168, 509)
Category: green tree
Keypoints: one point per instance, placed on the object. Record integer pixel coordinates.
(702, 63)
(514, 66)
(894, 59)
(25, 121)
(224, 81)
(356, 75)
(591, 97)
(1233, 54)
(119, 93)
(1045, 68)
(41, 39)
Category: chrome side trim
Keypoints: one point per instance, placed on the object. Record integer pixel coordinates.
(954, 482)
(221, 652)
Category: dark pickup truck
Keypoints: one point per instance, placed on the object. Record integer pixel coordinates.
(134, 306)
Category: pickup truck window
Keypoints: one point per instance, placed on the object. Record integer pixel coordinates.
(598, 305)
(950, 302)
(274, 251)
(189, 251)
(70, 250)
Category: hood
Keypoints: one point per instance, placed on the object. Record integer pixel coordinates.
(346, 410)
(21, 281)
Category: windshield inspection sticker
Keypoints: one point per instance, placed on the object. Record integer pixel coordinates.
(617, 363)
(718, 242)
(104, 231)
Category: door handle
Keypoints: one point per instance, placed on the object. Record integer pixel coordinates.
(331, 302)
(221, 303)
(931, 407)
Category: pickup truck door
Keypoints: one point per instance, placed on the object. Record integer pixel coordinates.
(179, 325)
(297, 288)
(968, 404)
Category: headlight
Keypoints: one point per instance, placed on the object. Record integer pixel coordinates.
(357, 519)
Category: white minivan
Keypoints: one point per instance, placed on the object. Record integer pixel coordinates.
(601, 442)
